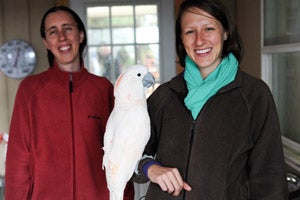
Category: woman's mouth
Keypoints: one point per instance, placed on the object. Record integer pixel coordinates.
(203, 51)
(65, 48)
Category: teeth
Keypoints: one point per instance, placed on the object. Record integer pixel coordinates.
(203, 51)
(64, 48)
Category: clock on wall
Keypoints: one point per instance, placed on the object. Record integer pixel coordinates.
(17, 58)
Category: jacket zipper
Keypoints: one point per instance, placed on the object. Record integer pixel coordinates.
(189, 156)
(71, 88)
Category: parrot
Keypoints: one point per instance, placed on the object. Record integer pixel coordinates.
(127, 130)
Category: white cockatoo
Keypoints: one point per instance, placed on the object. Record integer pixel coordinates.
(127, 129)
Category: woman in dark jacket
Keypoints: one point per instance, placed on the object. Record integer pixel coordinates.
(215, 131)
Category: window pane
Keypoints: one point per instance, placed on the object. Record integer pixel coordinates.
(122, 24)
(100, 60)
(98, 36)
(286, 87)
(148, 55)
(98, 27)
(124, 57)
(281, 21)
(146, 24)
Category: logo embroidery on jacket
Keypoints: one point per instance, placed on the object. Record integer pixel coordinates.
(94, 117)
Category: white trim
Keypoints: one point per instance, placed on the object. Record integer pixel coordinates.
(282, 48)
(290, 156)
(266, 69)
(294, 145)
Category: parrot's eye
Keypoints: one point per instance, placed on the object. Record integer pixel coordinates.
(139, 74)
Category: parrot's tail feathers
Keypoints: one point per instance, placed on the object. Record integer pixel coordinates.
(118, 195)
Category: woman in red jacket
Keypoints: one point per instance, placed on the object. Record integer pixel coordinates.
(58, 122)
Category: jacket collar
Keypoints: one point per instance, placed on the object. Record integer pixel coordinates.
(64, 77)
(236, 83)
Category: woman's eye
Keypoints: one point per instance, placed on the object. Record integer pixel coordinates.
(209, 29)
(52, 32)
(68, 28)
(189, 32)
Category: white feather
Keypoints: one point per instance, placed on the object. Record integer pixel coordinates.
(127, 130)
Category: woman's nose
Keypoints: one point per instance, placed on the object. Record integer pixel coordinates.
(61, 35)
(200, 38)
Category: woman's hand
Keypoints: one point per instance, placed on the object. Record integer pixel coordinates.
(169, 179)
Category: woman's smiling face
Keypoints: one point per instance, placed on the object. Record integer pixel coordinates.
(63, 39)
(203, 38)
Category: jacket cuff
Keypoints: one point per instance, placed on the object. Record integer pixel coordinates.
(139, 176)
(146, 166)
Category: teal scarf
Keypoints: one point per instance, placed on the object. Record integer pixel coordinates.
(199, 90)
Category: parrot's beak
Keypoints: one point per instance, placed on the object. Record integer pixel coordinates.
(148, 80)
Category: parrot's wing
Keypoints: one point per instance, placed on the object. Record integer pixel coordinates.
(108, 138)
(132, 134)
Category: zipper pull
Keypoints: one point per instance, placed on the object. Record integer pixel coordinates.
(70, 83)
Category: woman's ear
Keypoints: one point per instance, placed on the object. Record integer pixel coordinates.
(45, 43)
(225, 36)
(81, 36)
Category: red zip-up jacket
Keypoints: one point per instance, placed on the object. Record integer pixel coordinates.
(56, 136)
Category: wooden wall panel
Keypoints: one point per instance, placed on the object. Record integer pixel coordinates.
(3, 88)
(62, 2)
(248, 17)
(1, 23)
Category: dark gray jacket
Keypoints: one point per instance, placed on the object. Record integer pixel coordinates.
(232, 151)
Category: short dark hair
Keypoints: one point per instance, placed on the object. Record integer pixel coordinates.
(80, 27)
(233, 44)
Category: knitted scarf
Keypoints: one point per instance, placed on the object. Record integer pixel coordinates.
(199, 89)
